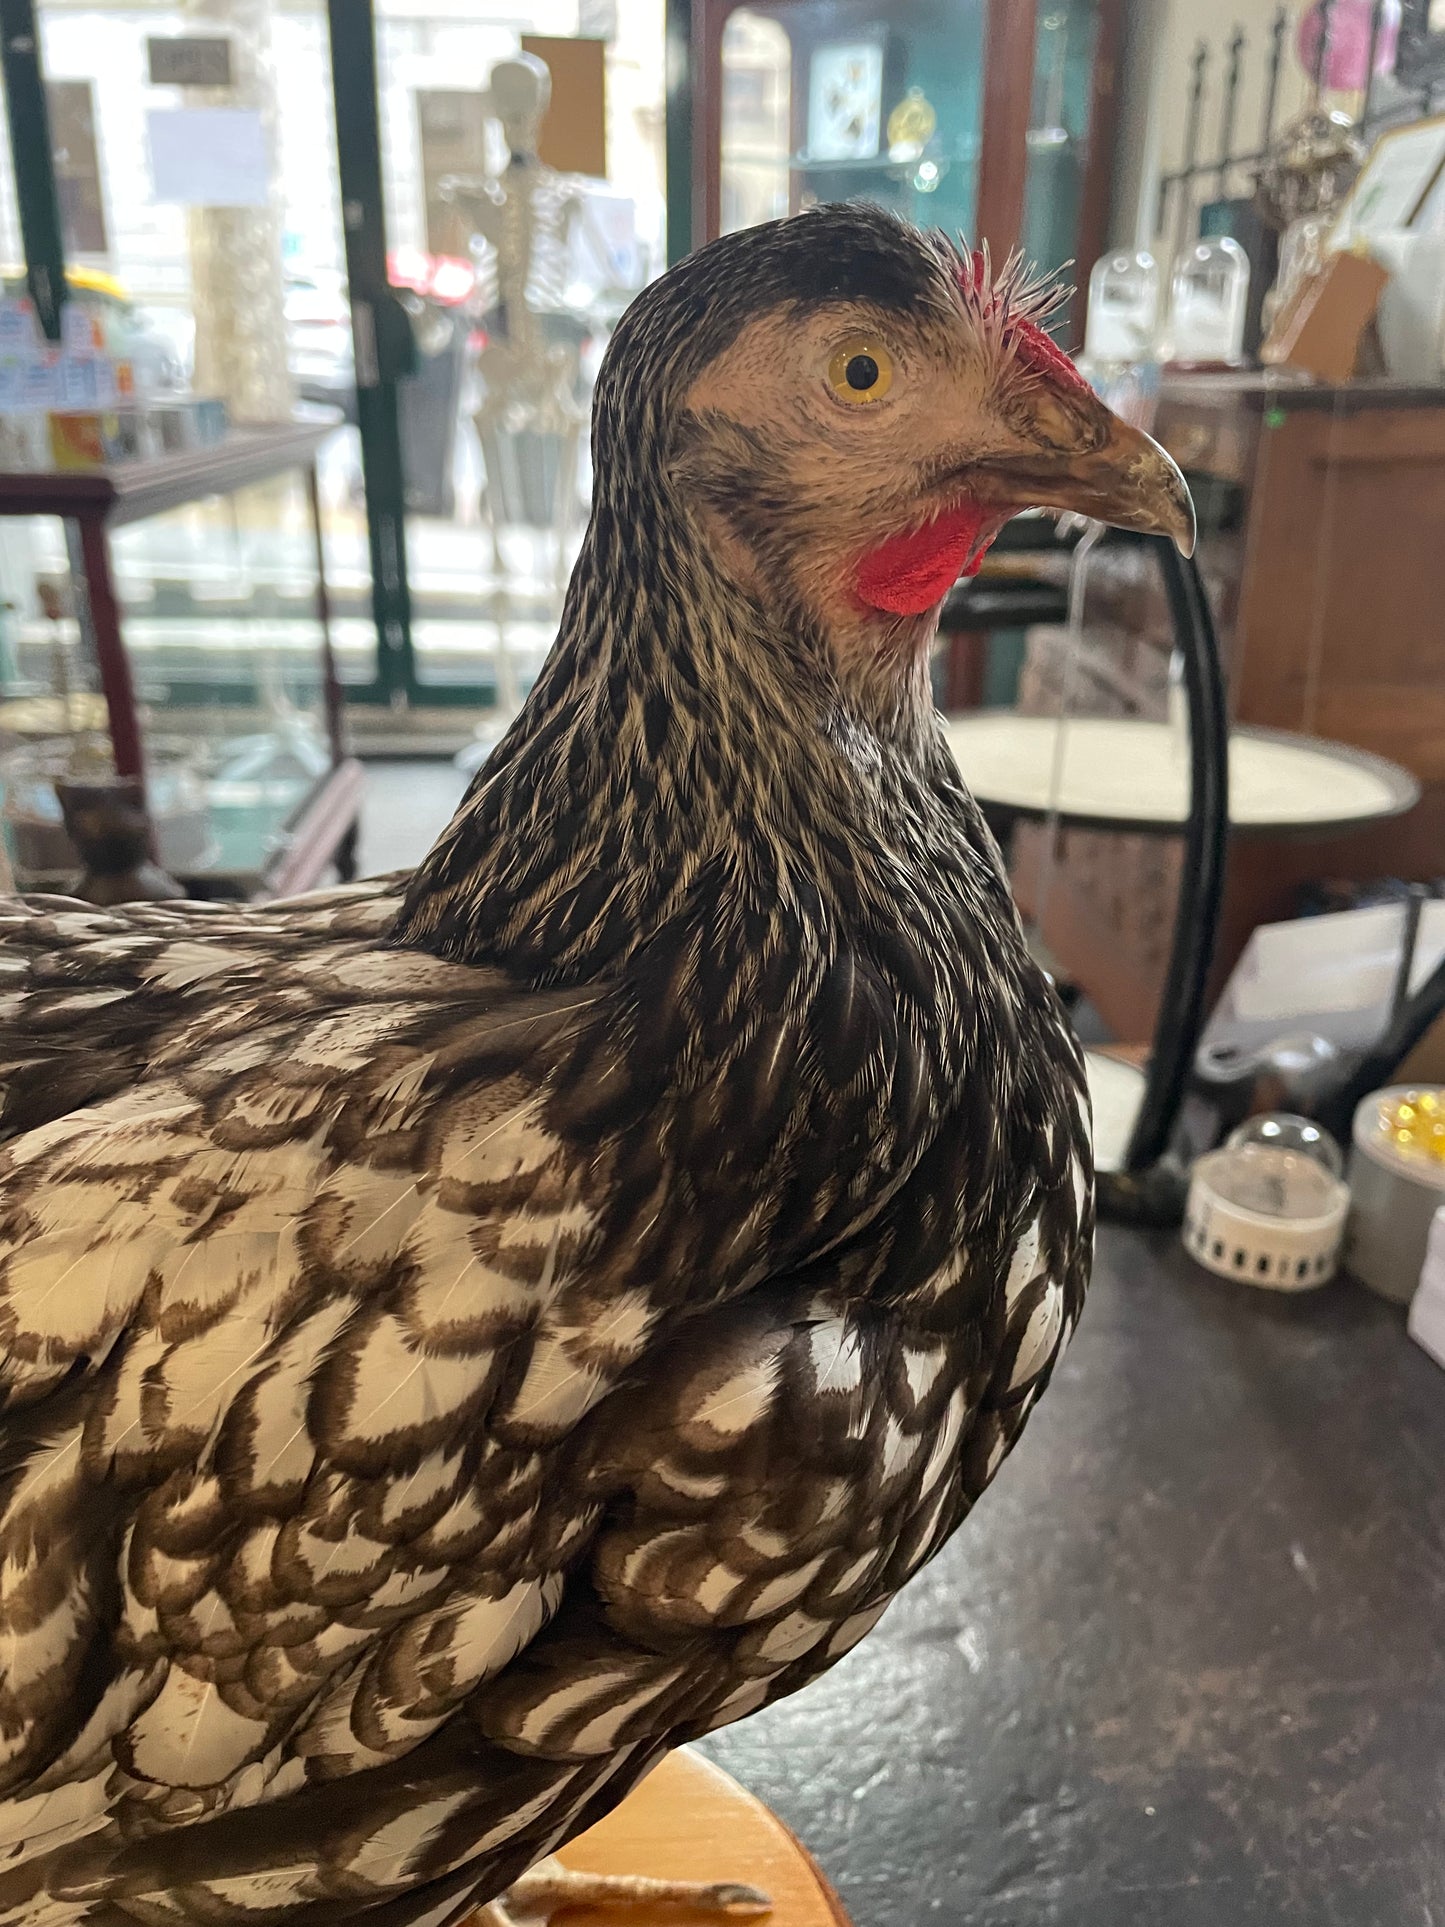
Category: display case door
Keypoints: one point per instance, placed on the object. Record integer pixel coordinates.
(478, 487)
(989, 117)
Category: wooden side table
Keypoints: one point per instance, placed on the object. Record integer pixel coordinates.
(1133, 777)
(322, 829)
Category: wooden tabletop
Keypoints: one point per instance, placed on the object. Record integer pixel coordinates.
(690, 1821)
(1104, 772)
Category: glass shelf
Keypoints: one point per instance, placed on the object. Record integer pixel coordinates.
(965, 153)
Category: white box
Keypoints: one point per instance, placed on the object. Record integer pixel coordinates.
(1427, 1308)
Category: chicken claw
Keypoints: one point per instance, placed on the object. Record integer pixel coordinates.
(549, 1888)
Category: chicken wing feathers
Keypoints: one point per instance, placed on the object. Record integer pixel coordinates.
(470, 1388)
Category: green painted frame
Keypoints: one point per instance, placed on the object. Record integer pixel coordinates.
(35, 189)
(384, 347)
(678, 130)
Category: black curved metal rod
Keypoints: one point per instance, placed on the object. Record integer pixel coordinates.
(1416, 1016)
(1201, 887)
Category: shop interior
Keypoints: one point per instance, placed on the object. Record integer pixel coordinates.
(303, 309)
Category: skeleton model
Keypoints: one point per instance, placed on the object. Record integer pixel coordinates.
(523, 219)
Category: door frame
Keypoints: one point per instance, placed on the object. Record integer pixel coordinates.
(381, 343)
(33, 162)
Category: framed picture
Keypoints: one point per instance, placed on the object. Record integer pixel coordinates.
(1396, 184)
(845, 99)
(1421, 56)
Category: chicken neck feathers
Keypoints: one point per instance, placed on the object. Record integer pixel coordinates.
(464, 1335)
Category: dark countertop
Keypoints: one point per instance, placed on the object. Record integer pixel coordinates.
(1288, 388)
(1185, 1666)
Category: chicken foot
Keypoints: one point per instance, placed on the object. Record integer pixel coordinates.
(548, 1888)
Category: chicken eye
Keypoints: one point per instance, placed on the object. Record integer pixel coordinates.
(861, 370)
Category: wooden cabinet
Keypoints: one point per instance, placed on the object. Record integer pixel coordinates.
(1340, 629)
(1323, 543)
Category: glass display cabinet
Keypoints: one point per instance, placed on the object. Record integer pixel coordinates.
(167, 619)
(1065, 205)
(986, 117)
(822, 102)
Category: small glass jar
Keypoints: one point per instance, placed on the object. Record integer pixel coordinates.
(1209, 300)
(1397, 1173)
(1285, 1131)
(1268, 1208)
(1123, 308)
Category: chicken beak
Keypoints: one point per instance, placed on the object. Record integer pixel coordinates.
(1080, 456)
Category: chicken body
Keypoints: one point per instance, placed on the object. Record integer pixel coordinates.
(466, 1336)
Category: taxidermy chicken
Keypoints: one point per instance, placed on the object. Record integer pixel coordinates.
(466, 1336)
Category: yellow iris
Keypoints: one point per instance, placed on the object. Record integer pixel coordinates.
(861, 370)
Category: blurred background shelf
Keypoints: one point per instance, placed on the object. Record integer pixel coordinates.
(223, 680)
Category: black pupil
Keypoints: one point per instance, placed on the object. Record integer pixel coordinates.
(861, 372)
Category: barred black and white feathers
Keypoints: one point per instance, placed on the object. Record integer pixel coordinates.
(463, 1337)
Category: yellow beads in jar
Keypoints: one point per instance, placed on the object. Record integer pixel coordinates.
(1414, 1123)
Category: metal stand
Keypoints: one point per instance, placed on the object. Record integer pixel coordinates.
(1150, 1188)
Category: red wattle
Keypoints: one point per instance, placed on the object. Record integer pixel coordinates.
(906, 576)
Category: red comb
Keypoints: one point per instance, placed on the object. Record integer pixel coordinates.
(1035, 349)
(1038, 351)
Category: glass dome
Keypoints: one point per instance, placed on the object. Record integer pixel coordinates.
(1208, 302)
(1123, 308)
(1284, 1131)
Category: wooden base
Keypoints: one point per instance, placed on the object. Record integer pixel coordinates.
(689, 1821)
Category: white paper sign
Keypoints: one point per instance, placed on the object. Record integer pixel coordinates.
(605, 253)
(1343, 963)
(1393, 186)
(209, 156)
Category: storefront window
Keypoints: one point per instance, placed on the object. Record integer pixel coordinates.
(243, 290)
(757, 144)
(497, 488)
